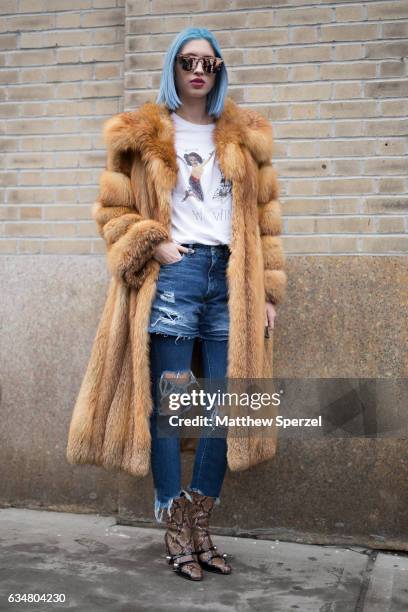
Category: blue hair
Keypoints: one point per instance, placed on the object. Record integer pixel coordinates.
(167, 92)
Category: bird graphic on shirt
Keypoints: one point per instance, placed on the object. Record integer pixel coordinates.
(197, 164)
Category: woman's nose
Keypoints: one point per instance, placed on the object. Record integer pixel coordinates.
(199, 67)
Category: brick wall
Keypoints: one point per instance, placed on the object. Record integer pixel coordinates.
(61, 77)
(331, 77)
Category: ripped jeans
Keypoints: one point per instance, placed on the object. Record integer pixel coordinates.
(191, 301)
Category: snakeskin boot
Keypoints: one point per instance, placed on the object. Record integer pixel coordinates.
(178, 540)
(206, 552)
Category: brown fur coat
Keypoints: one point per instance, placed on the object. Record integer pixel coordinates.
(110, 420)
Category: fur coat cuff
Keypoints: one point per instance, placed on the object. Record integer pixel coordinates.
(130, 238)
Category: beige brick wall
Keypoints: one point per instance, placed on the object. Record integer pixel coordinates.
(61, 76)
(331, 77)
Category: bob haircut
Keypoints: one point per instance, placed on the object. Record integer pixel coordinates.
(167, 92)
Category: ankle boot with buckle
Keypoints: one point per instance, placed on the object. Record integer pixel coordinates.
(207, 554)
(178, 540)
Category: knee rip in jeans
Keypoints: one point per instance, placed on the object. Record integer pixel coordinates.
(175, 381)
(181, 377)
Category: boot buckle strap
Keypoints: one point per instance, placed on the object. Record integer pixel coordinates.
(181, 559)
(211, 552)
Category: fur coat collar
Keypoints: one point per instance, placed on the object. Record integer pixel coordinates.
(150, 132)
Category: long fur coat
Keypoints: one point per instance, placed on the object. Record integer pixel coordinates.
(110, 421)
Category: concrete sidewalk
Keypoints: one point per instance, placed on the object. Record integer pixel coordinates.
(101, 566)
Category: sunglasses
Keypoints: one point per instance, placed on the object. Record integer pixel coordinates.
(210, 63)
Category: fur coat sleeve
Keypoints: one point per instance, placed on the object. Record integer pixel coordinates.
(270, 227)
(130, 238)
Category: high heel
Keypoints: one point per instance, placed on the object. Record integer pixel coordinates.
(178, 540)
(207, 555)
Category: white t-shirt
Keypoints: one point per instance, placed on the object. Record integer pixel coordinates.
(202, 198)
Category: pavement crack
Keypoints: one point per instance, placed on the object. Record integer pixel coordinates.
(365, 582)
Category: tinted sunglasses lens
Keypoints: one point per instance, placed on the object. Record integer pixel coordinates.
(209, 64)
(212, 64)
(186, 62)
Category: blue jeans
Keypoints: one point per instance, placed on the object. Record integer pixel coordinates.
(192, 296)
(195, 295)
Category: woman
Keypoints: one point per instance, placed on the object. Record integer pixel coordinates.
(189, 210)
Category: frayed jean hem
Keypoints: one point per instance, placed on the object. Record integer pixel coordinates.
(217, 499)
(161, 506)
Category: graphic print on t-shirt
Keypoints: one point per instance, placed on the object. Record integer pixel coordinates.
(224, 189)
(202, 196)
(197, 164)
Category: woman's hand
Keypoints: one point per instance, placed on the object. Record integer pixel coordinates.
(270, 314)
(168, 251)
